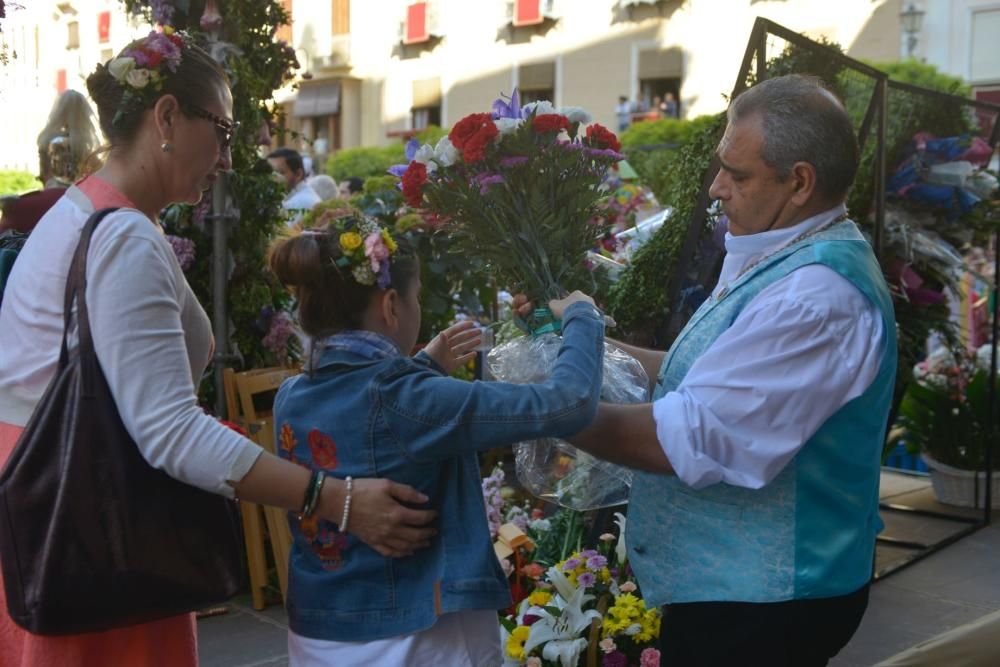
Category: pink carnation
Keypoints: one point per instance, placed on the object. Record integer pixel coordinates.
(375, 250)
(649, 657)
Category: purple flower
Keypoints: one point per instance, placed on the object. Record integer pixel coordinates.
(513, 161)
(587, 553)
(571, 564)
(586, 579)
(486, 180)
(183, 249)
(384, 279)
(140, 58)
(614, 659)
(277, 336)
(162, 10)
(596, 562)
(605, 153)
(502, 109)
(570, 145)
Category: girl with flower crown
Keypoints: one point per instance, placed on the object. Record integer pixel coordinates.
(368, 408)
(165, 107)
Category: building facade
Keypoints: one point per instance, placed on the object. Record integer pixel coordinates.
(53, 45)
(373, 71)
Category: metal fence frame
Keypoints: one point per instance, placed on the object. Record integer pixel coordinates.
(877, 114)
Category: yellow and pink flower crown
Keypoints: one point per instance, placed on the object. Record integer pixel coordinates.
(366, 248)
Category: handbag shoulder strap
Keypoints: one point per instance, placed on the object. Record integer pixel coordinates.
(76, 290)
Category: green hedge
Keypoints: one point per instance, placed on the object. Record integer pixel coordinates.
(17, 182)
(664, 131)
(368, 161)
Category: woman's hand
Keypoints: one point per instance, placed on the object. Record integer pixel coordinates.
(455, 346)
(380, 520)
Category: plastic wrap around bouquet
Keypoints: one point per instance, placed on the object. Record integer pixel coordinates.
(519, 189)
(553, 469)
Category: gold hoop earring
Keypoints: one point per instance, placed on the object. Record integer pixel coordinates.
(166, 147)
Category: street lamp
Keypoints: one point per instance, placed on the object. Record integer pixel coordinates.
(912, 19)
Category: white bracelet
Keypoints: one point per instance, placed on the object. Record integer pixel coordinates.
(347, 505)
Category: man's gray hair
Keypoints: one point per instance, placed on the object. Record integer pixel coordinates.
(803, 122)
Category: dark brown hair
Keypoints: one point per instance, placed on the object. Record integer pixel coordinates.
(330, 300)
(194, 82)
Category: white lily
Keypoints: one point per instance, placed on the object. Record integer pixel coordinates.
(620, 550)
(561, 634)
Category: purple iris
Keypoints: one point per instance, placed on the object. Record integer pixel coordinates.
(502, 109)
(412, 146)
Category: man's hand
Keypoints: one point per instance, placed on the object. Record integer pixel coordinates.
(559, 306)
(455, 346)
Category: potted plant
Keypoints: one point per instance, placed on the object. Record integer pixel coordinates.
(944, 416)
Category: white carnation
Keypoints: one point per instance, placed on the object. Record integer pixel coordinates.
(540, 107)
(425, 156)
(508, 125)
(576, 115)
(445, 152)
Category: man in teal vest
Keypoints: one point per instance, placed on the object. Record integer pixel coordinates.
(754, 510)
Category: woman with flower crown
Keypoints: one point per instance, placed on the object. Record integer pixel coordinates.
(165, 107)
(367, 408)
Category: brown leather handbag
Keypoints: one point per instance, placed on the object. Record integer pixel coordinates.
(91, 536)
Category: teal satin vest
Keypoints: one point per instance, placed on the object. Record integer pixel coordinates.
(810, 533)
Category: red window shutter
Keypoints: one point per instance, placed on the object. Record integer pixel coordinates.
(104, 27)
(416, 23)
(527, 12)
(60, 81)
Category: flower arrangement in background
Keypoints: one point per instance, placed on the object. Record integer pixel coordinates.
(586, 610)
(945, 410)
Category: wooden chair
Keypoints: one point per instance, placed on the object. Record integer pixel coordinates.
(246, 406)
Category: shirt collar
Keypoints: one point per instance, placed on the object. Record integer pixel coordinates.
(741, 250)
(368, 344)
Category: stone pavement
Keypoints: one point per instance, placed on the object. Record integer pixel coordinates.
(952, 587)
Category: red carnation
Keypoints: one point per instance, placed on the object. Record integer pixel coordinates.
(472, 135)
(323, 449)
(414, 179)
(599, 136)
(154, 58)
(550, 122)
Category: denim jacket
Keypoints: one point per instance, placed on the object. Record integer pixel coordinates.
(403, 419)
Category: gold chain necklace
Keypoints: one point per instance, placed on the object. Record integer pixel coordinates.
(801, 237)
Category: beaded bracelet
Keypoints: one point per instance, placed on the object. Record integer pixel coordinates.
(311, 500)
(347, 505)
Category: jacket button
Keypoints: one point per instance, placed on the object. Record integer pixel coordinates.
(639, 549)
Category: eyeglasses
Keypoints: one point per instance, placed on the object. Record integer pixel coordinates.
(224, 129)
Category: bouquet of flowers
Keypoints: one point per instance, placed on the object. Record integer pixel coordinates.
(585, 611)
(519, 189)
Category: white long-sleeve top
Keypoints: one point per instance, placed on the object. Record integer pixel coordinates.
(152, 338)
(798, 352)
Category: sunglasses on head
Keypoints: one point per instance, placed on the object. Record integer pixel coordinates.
(224, 129)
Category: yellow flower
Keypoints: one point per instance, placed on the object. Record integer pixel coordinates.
(515, 643)
(350, 241)
(168, 30)
(390, 242)
(539, 598)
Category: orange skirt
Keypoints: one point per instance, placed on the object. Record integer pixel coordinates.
(170, 642)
